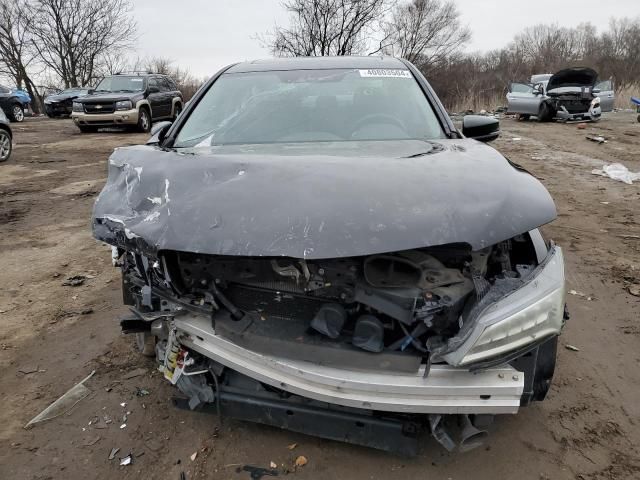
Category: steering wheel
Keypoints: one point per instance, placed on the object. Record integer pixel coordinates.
(376, 118)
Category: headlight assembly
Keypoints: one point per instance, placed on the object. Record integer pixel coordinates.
(531, 313)
(77, 107)
(124, 105)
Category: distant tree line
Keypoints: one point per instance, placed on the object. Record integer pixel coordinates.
(430, 34)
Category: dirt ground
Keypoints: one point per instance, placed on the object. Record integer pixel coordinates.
(52, 336)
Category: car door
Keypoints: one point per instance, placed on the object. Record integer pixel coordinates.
(168, 90)
(157, 98)
(606, 95)
(522, 99)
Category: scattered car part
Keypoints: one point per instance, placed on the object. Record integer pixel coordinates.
(63, 404)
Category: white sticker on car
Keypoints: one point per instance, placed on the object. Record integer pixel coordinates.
(385, 73)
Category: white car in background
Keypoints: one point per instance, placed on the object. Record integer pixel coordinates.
(570, 94)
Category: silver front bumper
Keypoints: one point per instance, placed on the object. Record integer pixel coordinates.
(446, 390)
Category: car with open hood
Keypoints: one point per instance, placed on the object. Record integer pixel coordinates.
(61, 103)
(570, 94)
(134, 100)
(313, 244)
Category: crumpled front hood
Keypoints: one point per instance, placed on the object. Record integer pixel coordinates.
(573, 77)
(318, 200)
(61, 97)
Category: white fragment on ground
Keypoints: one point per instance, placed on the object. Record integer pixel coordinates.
(193, 456)
(572, 348)
(516, 139)
(617, 171)
(580, 294)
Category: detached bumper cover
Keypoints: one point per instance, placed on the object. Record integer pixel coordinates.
(445, 390)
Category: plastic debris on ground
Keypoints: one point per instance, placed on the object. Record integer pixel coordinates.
(596, 138)
(74, 281)
(572, 348)
(128, 460)
(617, 171)
(141, 392)
(63, 404)
(193, 456)
(134, 373)
(580, 294)
(301, 461)
(112, 455)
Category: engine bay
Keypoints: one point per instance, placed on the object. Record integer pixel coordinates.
(397, 304)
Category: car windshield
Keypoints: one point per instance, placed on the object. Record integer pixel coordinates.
(121, 83)
(310, 106)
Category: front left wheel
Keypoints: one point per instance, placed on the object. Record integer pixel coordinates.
(5, 145)
(17, 112)
(144, 121)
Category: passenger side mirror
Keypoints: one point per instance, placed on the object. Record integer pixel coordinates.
(484, 129)
(159, 132)
(154, 89)
(91, 91)
(596, 90)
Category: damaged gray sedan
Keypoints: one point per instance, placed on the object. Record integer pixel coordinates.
(314, 245)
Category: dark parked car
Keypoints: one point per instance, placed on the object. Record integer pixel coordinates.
(313, 244)
(135, 100)
(6, 138)
(14, 102)
(61, 103)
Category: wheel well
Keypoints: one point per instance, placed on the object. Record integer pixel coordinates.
(8, 130)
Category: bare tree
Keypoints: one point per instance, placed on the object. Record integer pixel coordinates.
(72, 37)
(16, 54)
(327, 27)
(425, 31)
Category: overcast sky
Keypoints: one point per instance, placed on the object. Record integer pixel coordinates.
(204, 35)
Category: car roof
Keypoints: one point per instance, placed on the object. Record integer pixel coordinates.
(317, 63)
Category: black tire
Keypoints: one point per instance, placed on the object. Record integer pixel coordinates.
(638, 118)
(144, 120)
(524, 116)
(146, 344)
(87, 128)
(17, 113)
(543, 113)
(5, 145)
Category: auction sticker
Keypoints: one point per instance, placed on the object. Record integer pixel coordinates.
(385, 73)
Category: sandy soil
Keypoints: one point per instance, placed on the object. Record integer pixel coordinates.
(52, 336)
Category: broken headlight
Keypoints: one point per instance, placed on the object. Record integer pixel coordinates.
(124, 105)
(531, 313)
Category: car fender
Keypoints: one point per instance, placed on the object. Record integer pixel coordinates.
(142, 102)
(174, 102)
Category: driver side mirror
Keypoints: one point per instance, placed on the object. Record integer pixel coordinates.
(479, 127)
(154, 89)
(159, 132)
